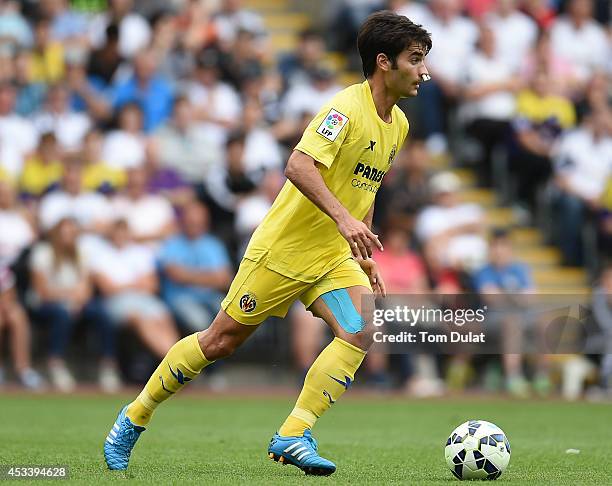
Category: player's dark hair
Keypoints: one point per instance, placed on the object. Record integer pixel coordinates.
(388, 33)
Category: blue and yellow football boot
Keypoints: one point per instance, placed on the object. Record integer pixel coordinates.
(120, 442)
(300, 452)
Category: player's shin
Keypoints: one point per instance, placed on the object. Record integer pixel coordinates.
(328, 378)
(183, 362)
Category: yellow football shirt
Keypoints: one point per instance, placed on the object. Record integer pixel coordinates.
(38, 176)
(100, 176)
(539, 109)
(356, 149)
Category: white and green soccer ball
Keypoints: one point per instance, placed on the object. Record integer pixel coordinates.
(477, 450)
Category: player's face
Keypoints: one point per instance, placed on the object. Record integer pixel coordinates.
(405, 80)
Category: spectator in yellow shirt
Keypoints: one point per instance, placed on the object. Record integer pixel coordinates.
(541, 117)
(43, 170)
(97, 174)
(47, 59)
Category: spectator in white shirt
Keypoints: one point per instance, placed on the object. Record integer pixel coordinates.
(69, 126)
(581, 40)
(451, 232)
(215, 101)
(62, 295)
(150, 217)
(309, 97)
(226, 187)
(515, 33)
(187, 146)
(232, 18)
(455, 38)
(490, 101)
(90, 209)
(18, 137)
(134, 30)
(583, 166)
(126, 276)
(126, 147)
(261, 151)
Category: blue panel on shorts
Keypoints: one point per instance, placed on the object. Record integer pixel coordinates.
(340, 303)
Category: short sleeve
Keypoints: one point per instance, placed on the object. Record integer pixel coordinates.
(327, 132)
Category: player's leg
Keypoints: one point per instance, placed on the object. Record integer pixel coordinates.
(307, 335)
(334, 370)
(183, 362)
(327, 379)
(337, 299)
(242, 312)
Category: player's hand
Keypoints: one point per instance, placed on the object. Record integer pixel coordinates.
(370, 267)
(359, 237)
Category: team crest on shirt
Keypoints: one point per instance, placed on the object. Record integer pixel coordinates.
(332, 125)
(392, 155)
(248, 302)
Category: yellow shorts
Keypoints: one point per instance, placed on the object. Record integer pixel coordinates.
(258, 292)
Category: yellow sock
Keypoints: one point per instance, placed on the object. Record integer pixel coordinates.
(183, 362)
(327, 379)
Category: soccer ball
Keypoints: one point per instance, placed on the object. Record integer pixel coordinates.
(477, 450)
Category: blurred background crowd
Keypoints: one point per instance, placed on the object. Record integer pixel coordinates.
(141, 143)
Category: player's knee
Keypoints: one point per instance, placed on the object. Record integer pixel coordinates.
(218, 345)
(362, 339)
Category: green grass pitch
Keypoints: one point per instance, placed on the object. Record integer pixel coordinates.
(210, 440)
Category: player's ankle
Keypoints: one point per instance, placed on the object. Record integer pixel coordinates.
(138, 413)
(293, 427)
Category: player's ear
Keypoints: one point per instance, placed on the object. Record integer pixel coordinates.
(383, 62)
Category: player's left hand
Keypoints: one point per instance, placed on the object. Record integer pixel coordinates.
(370, 267)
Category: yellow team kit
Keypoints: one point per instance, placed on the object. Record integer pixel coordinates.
(297, 251)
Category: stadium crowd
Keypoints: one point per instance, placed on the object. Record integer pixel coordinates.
(141, 143)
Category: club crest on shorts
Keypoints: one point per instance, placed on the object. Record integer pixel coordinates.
(248, 302)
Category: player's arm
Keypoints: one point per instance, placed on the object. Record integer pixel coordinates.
(302, 171)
